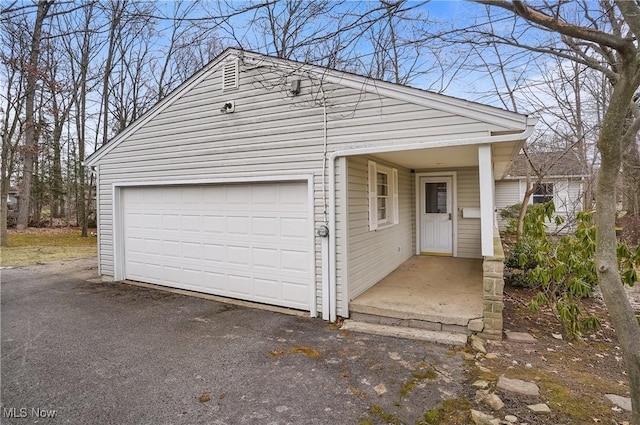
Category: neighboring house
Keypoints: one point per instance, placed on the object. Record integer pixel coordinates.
(288, 184)
(562, 183)
(12, 206)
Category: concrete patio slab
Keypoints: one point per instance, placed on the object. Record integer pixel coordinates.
(435, 289)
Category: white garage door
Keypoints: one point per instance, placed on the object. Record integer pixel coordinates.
(248, 241)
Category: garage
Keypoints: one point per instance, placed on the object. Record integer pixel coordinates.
(250, 241)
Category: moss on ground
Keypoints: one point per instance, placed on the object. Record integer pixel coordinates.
(385, 417)
(582, 406)
(452, 411)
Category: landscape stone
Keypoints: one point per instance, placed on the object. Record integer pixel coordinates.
(623, 402)
(518, 386)
(380, 389)
(480, 418)
(491, 356)
(481, 383)
(539, 408)
(477, 344)
(557, 336)
(520, 337)
(511, 419)
(493, 401)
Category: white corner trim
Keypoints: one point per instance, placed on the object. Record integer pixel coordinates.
(487, 202)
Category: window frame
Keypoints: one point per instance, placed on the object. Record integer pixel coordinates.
(546, 195)
(375, 196)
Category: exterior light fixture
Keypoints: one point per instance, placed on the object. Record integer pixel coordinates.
(228, 107)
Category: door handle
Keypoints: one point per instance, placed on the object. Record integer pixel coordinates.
(449, 216)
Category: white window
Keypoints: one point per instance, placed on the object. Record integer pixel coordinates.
(383, 196)
(542, 193)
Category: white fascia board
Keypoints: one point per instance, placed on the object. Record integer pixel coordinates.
(159, 107)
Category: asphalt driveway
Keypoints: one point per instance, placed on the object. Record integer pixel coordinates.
(98, 353)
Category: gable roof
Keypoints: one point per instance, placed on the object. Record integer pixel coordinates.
(549, 164)
(511, 121)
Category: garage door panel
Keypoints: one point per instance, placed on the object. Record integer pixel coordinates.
(266, 258)
(294, 261)
(213, 224)
(244, 241)
(215, 253)
(237, 195)
(238, 226)
(268, 289)
(265, 226)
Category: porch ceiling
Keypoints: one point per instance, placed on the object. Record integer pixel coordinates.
(452, 157)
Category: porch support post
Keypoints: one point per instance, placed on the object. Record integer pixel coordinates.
(485, 168)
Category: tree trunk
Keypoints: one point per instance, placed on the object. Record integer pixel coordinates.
(118, 9)
(613, 292)
(30, 134)
(4, 210)
(631, 179)
(523, 207)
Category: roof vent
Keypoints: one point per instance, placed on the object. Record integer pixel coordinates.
(230, 78)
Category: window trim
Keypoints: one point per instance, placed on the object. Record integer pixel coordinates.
(543, 198)
(391, 207)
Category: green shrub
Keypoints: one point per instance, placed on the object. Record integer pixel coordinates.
(563, 271)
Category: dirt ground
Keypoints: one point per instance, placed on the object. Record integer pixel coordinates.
(573, 376)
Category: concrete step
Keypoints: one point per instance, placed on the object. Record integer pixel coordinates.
(429, 325)
(439, 337)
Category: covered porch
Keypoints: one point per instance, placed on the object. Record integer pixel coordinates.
(427, 292)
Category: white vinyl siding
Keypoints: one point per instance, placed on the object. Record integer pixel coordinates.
(567, 197)
(468, 191)
(507, 194)
(272, 133)
(374, 254)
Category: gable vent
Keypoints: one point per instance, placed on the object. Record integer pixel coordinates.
(230, 75)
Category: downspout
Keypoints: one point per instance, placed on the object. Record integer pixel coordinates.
(323, 230)
(530, 124)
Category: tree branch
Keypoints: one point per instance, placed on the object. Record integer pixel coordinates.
(560, 26)
(631, 13)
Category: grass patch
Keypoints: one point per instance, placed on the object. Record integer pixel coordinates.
(387, 418)
(577, 405)
(427, 374)
(409, 385)
(452, 411)
(25, 248)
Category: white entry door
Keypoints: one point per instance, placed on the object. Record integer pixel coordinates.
(436, 229)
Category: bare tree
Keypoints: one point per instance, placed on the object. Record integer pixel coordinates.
(604, 37)
(12, 103)
(30, 148)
